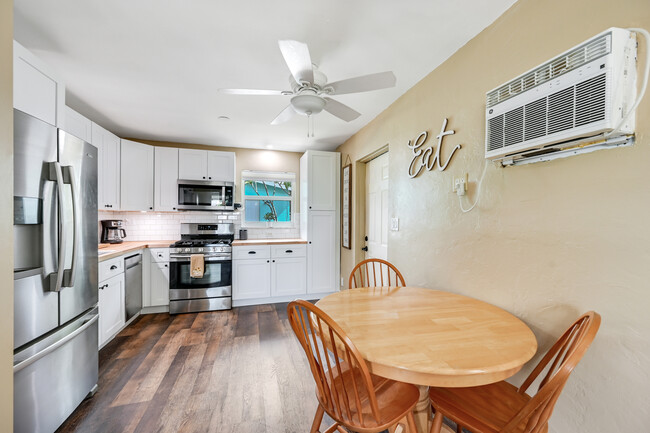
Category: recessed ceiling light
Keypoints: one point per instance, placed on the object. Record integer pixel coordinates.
(269, 146)
(223, 118)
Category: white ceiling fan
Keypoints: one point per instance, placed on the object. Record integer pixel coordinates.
(310, 90)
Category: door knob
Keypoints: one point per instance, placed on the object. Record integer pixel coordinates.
(364, 249)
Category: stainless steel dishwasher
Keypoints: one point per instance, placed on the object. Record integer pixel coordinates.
(133, 295)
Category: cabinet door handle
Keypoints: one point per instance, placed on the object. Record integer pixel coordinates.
(288, 251)
(252, 252)
(166, 266)
(103, 287)
(113, 267)
(267, 261)
(273, 261)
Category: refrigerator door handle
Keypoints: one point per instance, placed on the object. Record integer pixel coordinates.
(69, 274)
(32, 359)
(56, 278)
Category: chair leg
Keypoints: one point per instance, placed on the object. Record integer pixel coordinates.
(436, 426)
(318, 418)
(410, 419)
(459, 428)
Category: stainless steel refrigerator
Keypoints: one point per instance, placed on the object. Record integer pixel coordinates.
(55, 274)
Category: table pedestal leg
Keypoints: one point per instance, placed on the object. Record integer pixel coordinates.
(423, 410)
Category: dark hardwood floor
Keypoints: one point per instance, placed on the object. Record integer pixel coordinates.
(229, 371)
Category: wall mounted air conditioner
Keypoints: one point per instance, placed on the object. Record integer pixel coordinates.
(584, 92)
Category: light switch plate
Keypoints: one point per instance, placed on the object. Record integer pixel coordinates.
(394, 224)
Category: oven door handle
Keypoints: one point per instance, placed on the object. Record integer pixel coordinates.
(186, 258)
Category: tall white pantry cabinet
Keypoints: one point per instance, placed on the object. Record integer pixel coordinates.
(320, 219)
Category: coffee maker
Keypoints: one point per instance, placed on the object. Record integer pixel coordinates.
(112, 232)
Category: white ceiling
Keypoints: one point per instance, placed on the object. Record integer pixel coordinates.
(150, 69)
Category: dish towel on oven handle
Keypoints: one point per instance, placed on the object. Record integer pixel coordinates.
(197, 265)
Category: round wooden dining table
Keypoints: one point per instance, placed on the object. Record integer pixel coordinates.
(431, 338)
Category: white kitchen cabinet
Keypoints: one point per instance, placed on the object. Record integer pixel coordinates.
(320, 219)
(319, 180)
(165, 179)
(251, 278)
(108, 167)
(269, 274)
(288, 276)
(192, 164)
(322, 252)
(77, 125)
(221, 166)
(136, 176)
(38, 90)
(111, 308)
(159, 284)
(207, 165)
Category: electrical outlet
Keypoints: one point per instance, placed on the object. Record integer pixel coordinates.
(460, 184)
(394, 224)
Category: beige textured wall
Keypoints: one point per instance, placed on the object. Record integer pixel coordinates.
(249, 159)
(6, 215)
(547, 241)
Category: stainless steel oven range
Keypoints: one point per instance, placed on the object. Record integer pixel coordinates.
(214, 290)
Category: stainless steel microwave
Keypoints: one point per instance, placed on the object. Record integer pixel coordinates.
(202, 195)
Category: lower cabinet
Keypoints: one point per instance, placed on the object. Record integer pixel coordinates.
(111, 307)
(156, 290)
(159, 278)
(265, 273)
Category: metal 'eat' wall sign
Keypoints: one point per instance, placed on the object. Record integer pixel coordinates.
(427, 158)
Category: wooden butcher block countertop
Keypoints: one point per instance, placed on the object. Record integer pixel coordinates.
(129, 246)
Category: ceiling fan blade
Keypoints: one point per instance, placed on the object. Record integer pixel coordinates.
(364, 83)
(341, 111)
(284, 115)
(296, 55)
(252, 92)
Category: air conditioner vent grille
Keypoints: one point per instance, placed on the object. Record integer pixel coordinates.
(514, 126)
(560, 110)
(578, 105)
(535, 124)
(575, 58)
(590, 100)
(495, 133)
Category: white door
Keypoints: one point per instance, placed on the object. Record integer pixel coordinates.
(192, 164)
(251, 279)
(108, 167)
(111, 307)
(321, 254)
(159, 291)
(288, 276)
(323, 182)
(221, 166)
(166, 178)
(377, 207)
(136, 176)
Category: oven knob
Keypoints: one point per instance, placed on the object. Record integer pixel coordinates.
(187, 250)
(200, 250)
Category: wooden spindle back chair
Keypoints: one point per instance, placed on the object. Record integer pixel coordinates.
(344, 386)
(533, 414)
(375, 273)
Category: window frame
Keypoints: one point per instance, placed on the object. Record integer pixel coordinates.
(250, 175)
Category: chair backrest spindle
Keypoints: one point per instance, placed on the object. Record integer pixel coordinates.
(360, 275)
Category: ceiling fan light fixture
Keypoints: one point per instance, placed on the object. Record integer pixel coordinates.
(308, 105)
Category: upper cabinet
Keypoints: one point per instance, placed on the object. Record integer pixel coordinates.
(319, 180)
(166, 179)
(108, 167)
(38, 91)
(208, 165)
(77, 125)
(136, 176)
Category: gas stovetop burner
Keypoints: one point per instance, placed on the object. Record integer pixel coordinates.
(203, 243)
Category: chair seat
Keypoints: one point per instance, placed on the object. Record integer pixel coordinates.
(481, 409)
(395, 400)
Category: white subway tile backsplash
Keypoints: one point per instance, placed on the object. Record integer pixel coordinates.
(151, 226)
